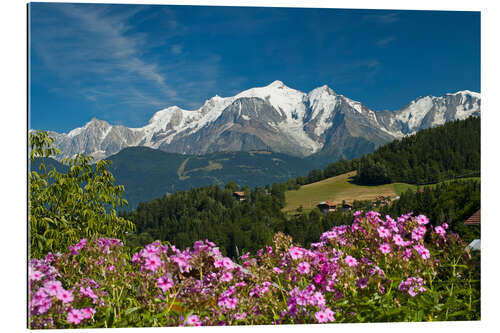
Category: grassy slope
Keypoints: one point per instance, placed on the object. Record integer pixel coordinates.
(337, 189)
(340, 188)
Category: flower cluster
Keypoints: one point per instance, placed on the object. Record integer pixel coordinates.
(284, 283)
(412, 285)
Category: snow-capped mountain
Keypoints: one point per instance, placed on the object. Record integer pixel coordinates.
(274, 117)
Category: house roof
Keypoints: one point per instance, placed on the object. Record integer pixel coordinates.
(475, 219)
(328, 203)
(240, 194)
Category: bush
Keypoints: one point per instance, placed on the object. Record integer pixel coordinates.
(65, 207)
(371, 271)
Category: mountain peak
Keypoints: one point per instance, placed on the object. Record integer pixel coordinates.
(323, 89)
(467, 92)
(277, 84)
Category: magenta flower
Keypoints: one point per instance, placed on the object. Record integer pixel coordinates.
(351, 261)
(422, 219)
(440, 231)
(362, 283)
(193, 320)
(227, 263)
(383, 232)
(230, 303)
(385, 248)
(304, 268)
(418, 233)
(74, 317)
(164, 283)
(321, 317)
(422, 251)
(64, 295)
(87, 313)
(330, 315)
(445, 226)
(153, 262)
(36, 275)
(277, 270)
(135, 258)
(227, 276)
(295, 252)
(398, 240)
(240, 316)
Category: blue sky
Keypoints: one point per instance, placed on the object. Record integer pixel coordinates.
(122, 63)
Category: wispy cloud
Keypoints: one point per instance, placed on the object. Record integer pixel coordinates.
(385, 18)
(97, 52)
(385, 41)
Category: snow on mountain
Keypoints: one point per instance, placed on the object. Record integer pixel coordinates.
(273, 117)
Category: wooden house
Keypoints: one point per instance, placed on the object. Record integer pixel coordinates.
(346, 207)
(475, 219)
(240, 196)
(326, 206)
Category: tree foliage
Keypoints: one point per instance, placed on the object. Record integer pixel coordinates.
(65, 207)
(432, 155)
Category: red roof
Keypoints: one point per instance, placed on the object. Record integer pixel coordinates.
(328, 203)
(475, 219)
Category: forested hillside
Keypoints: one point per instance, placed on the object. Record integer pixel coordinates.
(445, 152)
(429, 156)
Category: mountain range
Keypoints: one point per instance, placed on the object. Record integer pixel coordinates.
(276, 118)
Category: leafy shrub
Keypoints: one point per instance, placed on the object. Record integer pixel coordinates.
(373, 270)
(65, 207)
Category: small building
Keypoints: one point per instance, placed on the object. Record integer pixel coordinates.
(475, 245)
(346, 207)
(475, 219)
(240, 196)
(326, 206)
(381, 200)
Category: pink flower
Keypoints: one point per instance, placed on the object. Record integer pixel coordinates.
(440, 231)
(422, 219)
(398, 240)
(89, 293)
(152, 263)
(351, 261)
(164, 283)
(321, 317)
(64, 295)
(383, 232)
(52, 287)
(445, 225)
(227, 276)
(87, 313)
(227, 263)
(418, 233)
(424, 253)
(385, 248)
(240, 316)
(230, 303)
(277, 270)
(36, 275)
(329, 314)
(135, 258)
(74, 317)
(362, 283)
(295, 252)
(303, 268)
(193, 320)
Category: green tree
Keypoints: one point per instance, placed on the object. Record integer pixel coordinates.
(65, 207)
